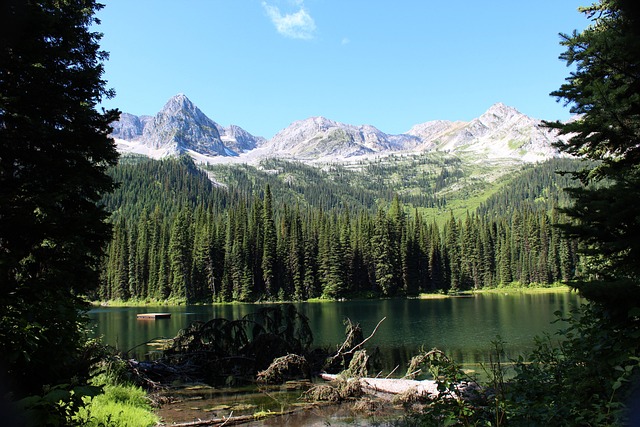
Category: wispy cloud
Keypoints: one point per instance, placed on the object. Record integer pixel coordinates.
(298, 25)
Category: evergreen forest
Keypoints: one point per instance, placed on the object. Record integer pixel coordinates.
(288, 231)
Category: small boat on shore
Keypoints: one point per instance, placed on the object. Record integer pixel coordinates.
(154, 316)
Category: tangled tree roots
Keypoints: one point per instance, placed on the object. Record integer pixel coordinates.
(337, 390)
(423, 362)
(223, 351)
(323, 393)
(353, 341)
(358, 365)
(284, 368)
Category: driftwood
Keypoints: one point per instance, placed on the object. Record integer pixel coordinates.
(392, 385)
(354, 341)
(355, 347)
(289, 367)
(230, 420)
(425, 388)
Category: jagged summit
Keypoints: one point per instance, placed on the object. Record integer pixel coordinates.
(181, 127)
(178, 103)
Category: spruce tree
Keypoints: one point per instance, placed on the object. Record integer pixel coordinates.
(604, 90)
(383, 255)
(179, 252)
(269, 250)
(55, 151)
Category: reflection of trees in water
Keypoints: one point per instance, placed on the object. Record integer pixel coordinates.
(222, 350)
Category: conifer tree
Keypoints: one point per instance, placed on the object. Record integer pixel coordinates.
(179, 251)
(436, 259)
(142, 261)
(55, 150)
(296, 257)
(453, 256)
(383, 255)
(269, 246)
(604, 91)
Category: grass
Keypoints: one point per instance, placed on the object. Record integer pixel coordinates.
(514, 287)
(118, 405)
(511, 288)
(533, 289)
(121, 403)
(433, 296)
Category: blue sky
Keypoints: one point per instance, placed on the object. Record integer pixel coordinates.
(262, 64)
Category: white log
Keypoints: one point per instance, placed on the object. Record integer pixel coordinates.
(393, 385)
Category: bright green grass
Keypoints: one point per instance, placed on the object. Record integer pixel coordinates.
(119, 405)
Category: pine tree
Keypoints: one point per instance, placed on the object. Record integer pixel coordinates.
(269, 246)
(453, 254)
(179, 251)
(311, 286)
(437, 265)
(142, 261)
(296, 257)
(383, 255)
(604, 89)
(55, 150)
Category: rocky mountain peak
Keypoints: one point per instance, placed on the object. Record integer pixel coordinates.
(180, 105)
(179, 127)
(498, 114)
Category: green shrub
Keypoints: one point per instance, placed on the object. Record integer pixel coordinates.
(119, 405)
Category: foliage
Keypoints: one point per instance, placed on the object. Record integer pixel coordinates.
(56, 406)
(605, 90)
(239, 248)
(459, 401)
(119, 401)
(589, 376)
(585, 377)
(118, 405)
(55, 151)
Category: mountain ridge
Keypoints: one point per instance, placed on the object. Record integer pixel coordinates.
(181, 127)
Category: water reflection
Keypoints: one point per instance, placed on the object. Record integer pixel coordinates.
(462, 327)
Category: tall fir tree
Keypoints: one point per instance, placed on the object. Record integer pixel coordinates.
(55, 149)
(269, 250)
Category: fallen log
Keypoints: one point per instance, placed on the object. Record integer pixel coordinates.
(230, 420)
(426, 388)
(393, 385)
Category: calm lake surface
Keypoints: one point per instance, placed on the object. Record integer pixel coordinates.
(462, 327)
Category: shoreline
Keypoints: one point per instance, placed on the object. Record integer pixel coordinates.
(509, 290)
(465, 294)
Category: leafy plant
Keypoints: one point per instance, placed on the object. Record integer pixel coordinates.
(56, 406)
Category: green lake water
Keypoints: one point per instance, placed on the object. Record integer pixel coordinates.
(462, 327)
